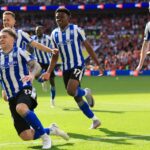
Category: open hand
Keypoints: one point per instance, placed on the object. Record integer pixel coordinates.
(27, 78)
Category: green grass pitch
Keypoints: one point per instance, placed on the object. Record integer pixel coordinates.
(122, 104)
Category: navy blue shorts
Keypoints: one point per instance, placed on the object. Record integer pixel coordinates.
(45, 67)
(27, 97)
(75, 73)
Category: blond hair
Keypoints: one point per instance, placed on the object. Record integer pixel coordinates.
(10, 31)
(9, 13)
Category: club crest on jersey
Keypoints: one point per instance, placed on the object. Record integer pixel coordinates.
(8, 65)
(66, 42)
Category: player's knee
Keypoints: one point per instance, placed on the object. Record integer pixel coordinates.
(21, 109)
(24, 138)
(71, 92)
(18, 108)
(27, 135)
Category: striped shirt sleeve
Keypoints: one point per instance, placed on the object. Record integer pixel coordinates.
(53, 44)
(26, 55)
(24, 36)
(81, 34)
(48, 40)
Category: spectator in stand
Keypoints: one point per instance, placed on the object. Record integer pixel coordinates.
(108, 34)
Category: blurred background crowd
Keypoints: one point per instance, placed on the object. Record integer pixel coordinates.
(115, 35)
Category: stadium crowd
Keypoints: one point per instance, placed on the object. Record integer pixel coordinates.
(117, 39)
(65, 2)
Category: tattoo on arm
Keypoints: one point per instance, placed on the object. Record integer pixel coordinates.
(34, 68)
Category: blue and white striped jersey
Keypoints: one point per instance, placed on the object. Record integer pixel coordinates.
(13, 67)
(68, 42)
(147, 32)
(23, 39)
(42, 57)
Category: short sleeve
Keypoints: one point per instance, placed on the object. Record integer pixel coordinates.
(53, 44)
(81, 34)
(26, 55)
(24, 36)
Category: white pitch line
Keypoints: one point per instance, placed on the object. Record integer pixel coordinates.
(76, 140)
(34, 142)
(119, 137)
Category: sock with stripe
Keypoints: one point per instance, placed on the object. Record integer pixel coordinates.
(34, 122)
(86, 110)
(80, 92)
(38, 135)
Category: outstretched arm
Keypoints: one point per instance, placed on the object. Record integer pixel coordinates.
(43, 47)
(26, 37)
(144, 50)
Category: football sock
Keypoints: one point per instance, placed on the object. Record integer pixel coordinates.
(94, 118)
(38, 135)
(80, 92)
(86, 110)
(53, 92)
(33, 121)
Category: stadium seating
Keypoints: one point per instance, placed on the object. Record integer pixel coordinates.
(117, 39)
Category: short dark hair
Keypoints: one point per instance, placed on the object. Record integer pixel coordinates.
(10, 31)
(65, 10)
(9, 13)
